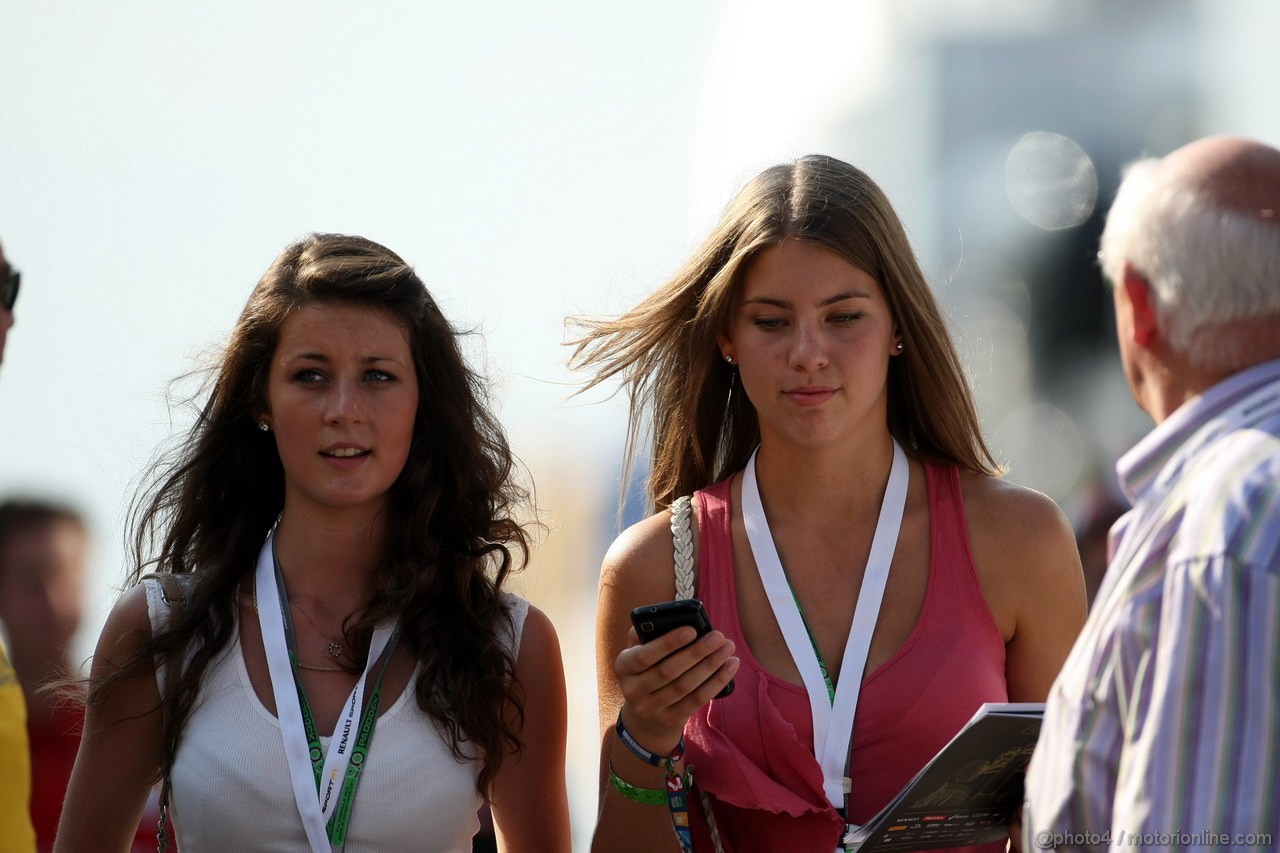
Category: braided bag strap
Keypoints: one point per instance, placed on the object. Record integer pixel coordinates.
(682, 539)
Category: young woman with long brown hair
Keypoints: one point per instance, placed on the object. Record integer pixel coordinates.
(801, 383)
(340, 521)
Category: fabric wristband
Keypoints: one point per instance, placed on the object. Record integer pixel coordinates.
(677, 793)
(644, 796)
(643, 754)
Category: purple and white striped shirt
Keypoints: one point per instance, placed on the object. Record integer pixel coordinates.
(1163, 729)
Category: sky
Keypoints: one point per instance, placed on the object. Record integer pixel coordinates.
(532, 161)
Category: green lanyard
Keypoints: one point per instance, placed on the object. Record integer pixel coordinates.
(336, 828)
(822, 664)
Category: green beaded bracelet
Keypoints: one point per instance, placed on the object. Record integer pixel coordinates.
(645, 796)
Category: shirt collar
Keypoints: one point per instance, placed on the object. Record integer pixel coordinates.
(1159, 456)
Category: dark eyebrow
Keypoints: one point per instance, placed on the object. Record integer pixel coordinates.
(783, 303)
(321, 357)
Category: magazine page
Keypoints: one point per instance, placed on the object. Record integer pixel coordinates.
(967, 794)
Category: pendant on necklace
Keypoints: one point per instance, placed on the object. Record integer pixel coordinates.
(335, 650)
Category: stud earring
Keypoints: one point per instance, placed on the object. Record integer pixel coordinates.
(728, 358)
(262, 425)
(899, 346)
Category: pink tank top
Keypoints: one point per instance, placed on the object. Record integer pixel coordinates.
(753, 750)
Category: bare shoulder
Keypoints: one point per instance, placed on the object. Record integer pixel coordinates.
(528, 794)
(1025, 554)
(539, 666)
(638, 570)
(128, 625)
(1009, 516)
(639, 564)
(538, 640)
(132, 608)
(119, 755)
(1029, 567)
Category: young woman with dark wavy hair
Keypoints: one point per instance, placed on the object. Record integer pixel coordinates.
(802, 386)
(339, 666)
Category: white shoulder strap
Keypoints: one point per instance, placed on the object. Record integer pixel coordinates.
(167, 596)
(682, 539)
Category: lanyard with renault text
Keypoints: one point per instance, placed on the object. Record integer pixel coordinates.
(324, 785)
(832, 717)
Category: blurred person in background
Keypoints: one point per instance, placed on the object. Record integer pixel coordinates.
(334, 537)
(43, 550)
(802, 384)
(16, 832)
(43, 559)
(10, 278)
(1165, 722)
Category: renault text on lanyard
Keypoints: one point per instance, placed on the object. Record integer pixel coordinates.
(324, 784)
(832, 716)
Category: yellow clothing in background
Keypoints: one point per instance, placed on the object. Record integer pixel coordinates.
(16, 834)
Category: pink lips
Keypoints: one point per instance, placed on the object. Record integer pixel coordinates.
(810, 395)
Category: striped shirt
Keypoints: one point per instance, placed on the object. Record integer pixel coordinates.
(1163, 729)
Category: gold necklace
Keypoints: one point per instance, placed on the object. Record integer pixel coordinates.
(302, 665)
(335, 647)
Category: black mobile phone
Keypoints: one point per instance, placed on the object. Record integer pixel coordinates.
(654, 620)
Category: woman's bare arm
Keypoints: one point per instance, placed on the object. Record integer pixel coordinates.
(119, 755)
(655, 687)
(530, 805)
(1030, 572)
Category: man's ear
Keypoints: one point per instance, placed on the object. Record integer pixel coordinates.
(1142, 304)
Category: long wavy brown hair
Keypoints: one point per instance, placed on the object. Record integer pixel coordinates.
(665, 350)
(454, 510)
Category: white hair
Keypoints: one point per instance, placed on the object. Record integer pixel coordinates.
(1207, 265)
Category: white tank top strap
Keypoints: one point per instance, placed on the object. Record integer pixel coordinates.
(160, 609)
(510, 634)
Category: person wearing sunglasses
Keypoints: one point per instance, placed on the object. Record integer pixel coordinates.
(9, 278)
(15, 757)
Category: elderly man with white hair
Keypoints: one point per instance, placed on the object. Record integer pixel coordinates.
(1163, 729)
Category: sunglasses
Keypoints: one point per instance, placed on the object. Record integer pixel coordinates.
(9, 288)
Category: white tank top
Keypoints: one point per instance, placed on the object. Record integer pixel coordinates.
(230, 786)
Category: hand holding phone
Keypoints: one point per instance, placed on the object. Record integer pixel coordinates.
(654, 620)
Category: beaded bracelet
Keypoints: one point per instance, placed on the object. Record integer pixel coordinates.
(644, 796)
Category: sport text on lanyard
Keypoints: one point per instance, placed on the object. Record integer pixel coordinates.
(832, 716)
(324, 784)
